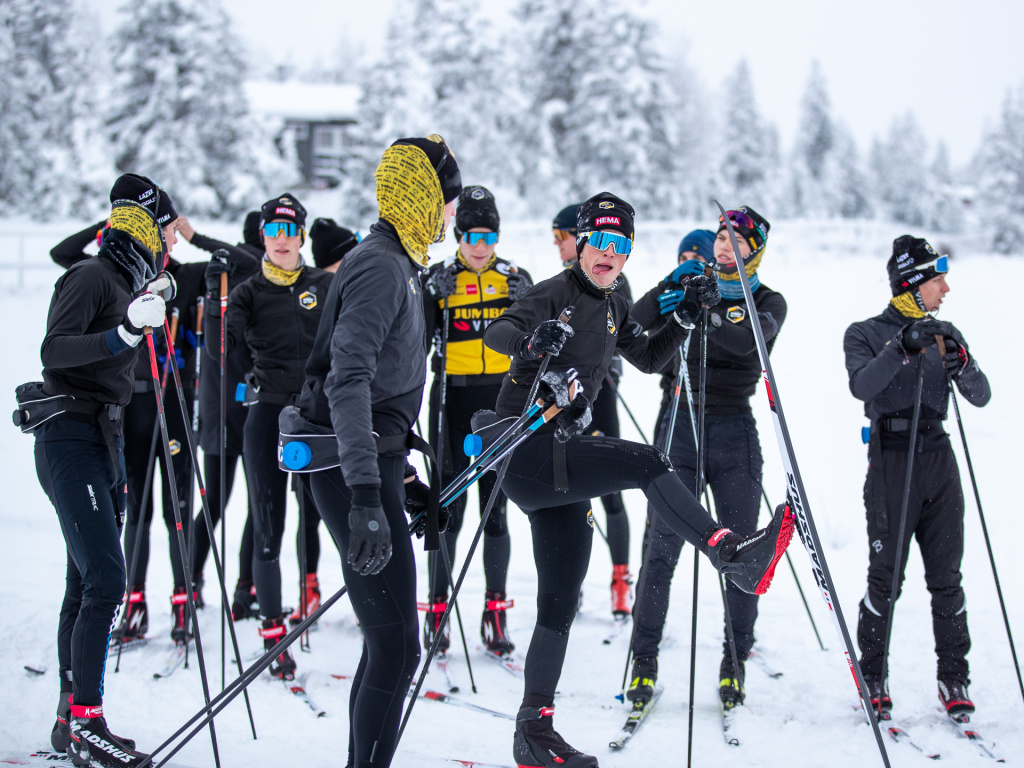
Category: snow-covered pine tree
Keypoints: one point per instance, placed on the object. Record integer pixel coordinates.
(811, 194)
(178, 112)
(55, 157)
(999, 168)
(749, 147)
(846, 178)
(901, 176)
(946, 213)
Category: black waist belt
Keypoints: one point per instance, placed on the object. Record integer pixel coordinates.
(479, 380)
(903, 425)
(275, 398)
(142, 385)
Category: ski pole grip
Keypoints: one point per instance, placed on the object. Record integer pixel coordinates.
(223, 284)
(566, 315)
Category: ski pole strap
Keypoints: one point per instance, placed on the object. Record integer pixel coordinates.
(559, 466)
(903, 425)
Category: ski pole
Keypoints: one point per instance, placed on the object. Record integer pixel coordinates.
(173, 488)
(140, 503)
(552, 411)
(797, 497)
(622, 400)
(301, 542)
(458, 614)
(904, 505)
(222, 459)
(988, 541)
(225, 606)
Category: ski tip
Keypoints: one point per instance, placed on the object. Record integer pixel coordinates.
(37, 671)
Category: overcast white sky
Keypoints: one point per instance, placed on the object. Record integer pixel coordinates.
(949, 61)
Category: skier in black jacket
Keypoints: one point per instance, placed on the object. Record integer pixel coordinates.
(244, 262)
(553, 476)
(275, 313)
(99, 310)
(365, 376)
(882, 359)
(732, 451)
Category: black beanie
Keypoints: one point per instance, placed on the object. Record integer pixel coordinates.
(251, 229)
(330, 242)
(476, 208)
(603, 211)
(912, 263)
(139, 189)
(756, 235)
(284, 207)
(442, 159)
(566, 218)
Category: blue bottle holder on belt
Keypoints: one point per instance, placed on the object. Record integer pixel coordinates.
(865, 435)
(240, 392)
(473, 445)
(296, 455)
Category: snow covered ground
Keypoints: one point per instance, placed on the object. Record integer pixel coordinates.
(831, 274)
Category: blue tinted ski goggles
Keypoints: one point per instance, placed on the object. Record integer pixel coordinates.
(274, 228)
(601, 240)
(940, 265)
(475, 238)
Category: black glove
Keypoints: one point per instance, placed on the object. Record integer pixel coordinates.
(688, 309)
(920, 334)
(707, 289)
(955, 358)
(417, 499)
(518, 285)
(442, 283)
(369, 544)
(555, 385)
(220, 264)
(547, 338)
(573, 420)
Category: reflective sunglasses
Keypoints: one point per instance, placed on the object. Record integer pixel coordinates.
(940, 265)
(274, 228)
(743, 221)
(601, 240)
(564, 234)
(474, 238)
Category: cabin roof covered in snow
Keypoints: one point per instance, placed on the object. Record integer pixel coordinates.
(297, 100)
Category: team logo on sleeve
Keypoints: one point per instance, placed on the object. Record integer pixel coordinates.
(307, 300)
(736, 314)
(412, 285)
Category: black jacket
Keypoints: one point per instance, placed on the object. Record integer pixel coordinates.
(82, 353)
(733, 365)
(884, 376)
(277, 323)
(71, 249)
(603, 325)
(368, 364)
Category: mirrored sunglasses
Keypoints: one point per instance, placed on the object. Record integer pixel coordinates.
(564, 234)
(473, 238)
(274, 228)
(601, 240)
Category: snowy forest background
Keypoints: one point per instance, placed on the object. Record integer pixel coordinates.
(571, 97)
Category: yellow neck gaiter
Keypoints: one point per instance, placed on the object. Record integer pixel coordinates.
(279, 276)
(409, 197)
(751, 263)
(908, 304)
(484, 268)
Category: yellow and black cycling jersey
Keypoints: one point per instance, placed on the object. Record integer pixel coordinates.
(479, 299)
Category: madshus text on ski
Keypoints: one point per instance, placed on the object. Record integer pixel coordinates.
(313, 375)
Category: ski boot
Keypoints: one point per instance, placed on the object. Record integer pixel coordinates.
(538, 745)
(749, 561)
(92, 744)
(243, 604)
(180, 628)
(645, 675)
(730, 683)
(493, 629)
(622, 592)
(284, 665)
(60, 736)
(197, 591)
(312, 595)
(878, 691)
(435, 610)
(954, 697)
(135, 623)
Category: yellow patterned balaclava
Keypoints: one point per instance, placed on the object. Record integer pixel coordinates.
(410, 199)
(279, 276)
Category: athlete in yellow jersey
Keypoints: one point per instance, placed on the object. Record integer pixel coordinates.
(463, 296)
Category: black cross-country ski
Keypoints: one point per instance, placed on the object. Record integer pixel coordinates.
(618, 629)
(174, 660)
(44, 758)
(35, 670)
(637, 715)
(128, 645)
(962, 724)
(901, 736)
(506, 661)
(298, 689)
(763, 664)
(446, 698)
(730, 724)
(441, 665)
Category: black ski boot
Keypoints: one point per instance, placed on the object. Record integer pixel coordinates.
(284, 665)
(538, 745)
(92, 744)
(136, 618)
(180, 628)
(493, 628)
(730, 683)
(243, 604)
(197, 591)
(61, 733)
(435, 610)
(749, 561)
(878, 690)
(645, 675)
(954, 697)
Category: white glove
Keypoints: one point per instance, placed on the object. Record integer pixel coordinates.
(164, 284)
(149, 309)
